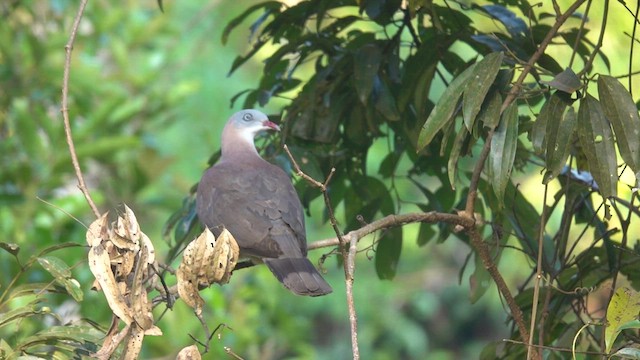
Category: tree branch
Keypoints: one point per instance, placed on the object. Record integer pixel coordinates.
(65, 109)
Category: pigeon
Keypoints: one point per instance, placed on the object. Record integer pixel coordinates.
(256, 202)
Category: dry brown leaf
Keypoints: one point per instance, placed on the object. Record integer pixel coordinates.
(153, 331)
(97, 231)
(148, 245)
(133, 343)
(119, 258)
(189, 353)
(138, 298)
(187, 274)
(111, 342)
(206, 261)
(227, 257)
(100, 266)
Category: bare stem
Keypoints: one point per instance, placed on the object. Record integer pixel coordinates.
(65, 109)
(347, 249)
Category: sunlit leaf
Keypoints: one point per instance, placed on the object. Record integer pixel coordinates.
(627, 353)
(478, 86)
(623, 308)
(619, 108)
(596, 142)
(503, 150)
(62, 274)
(443, 112)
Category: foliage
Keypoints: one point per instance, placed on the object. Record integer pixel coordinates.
(523, 89)
(407, 101)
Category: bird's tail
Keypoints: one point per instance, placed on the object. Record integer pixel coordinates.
(298, 275)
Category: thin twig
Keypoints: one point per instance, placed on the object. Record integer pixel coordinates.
(348, 254)
(391, 221)
(538, 278)
(65, 109)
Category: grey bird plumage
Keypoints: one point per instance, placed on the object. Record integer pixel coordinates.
(257, 203)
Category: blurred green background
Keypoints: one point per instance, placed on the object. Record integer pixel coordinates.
(149, 95)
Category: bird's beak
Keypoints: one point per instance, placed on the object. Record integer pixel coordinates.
(271, 125)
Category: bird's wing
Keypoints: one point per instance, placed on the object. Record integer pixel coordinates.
(258, 205)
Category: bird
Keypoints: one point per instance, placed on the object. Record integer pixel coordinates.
(257, 203)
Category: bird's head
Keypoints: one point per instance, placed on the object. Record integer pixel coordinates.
(248, 123)
(242, 128)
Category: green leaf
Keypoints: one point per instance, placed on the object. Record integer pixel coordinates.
(269, 7)
(443, 112)
(503, 151)
(33, 289)
(365, 69)
(619, 108)
(452, 164)
(490, 113)
(596, 142)
(480, 81)
(426, 233)
(552, 110)
(55, 266)
(62, 274)
(566, 81)
(388, 253)
(18, 313)
(559, 144)
(623, 308)
(627, 353)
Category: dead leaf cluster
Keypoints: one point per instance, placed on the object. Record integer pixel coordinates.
(206, 260)
(120, 258)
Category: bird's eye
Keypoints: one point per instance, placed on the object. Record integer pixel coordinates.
(247, 117)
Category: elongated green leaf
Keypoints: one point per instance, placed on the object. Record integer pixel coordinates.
(503, 151)
(388, 253)
(596, 142)
(627, 353)
(365, 69)
(559, 144)
(33, 289)
(269, 7)
(479, 83)
(62, 274)
(452, 164)
(623, 308)
(18, 313)
(619, 108)
(490, 113)
(55, 266)
(552, 110)
(385, 102)
(444, 109)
